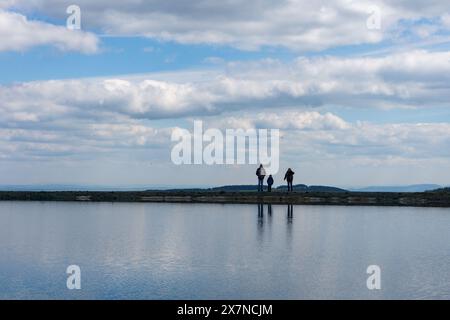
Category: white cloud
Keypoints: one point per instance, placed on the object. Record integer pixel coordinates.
(446, 20)
(81, 139)
(313, 143)
(283, 120)
(119, 119)
(296, 24)
(6, 3)
(416, 79)
(19, 34)
(308, 138)
(315, 136)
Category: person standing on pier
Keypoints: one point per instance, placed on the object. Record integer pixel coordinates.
(289, 177)
(261, 173)
(269, 183)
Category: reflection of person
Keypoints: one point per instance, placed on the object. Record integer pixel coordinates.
(260, 210)
(290, 211)
(289, 177)
(269, 183)
(261, 173)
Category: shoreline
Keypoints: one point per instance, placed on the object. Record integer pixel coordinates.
(421, 199)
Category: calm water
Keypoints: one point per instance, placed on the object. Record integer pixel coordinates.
(171, 251)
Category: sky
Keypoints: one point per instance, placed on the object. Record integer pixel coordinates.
(358, 89)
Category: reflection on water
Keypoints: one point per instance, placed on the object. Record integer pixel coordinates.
(290, 212)
(290, 218)
(262, 219)
(176, 251)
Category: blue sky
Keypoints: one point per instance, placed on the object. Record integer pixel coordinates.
(122, 55)
(356, 105)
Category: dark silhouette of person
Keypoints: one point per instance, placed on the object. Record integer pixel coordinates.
(289, 177)
(261, 173)
(269, 183)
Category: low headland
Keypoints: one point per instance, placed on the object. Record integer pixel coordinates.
(230, 195)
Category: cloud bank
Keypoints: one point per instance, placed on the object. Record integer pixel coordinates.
(19, 34)
(92, 117)
(300, 25)
(127, 120)
(417, 79)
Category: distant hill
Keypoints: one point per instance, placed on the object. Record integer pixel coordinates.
(250, 188)
(222, 188)
(444, 190)
(410, 188)
(231, 188)
(305, 188)
(64, 187)
(46, 187)
(235, 188)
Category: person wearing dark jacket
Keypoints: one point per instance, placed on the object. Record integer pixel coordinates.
(289, 177)
(269, 183)
(261, 173)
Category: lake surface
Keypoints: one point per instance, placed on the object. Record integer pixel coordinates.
(203, 251)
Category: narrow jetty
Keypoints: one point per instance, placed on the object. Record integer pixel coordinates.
(422, 199)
